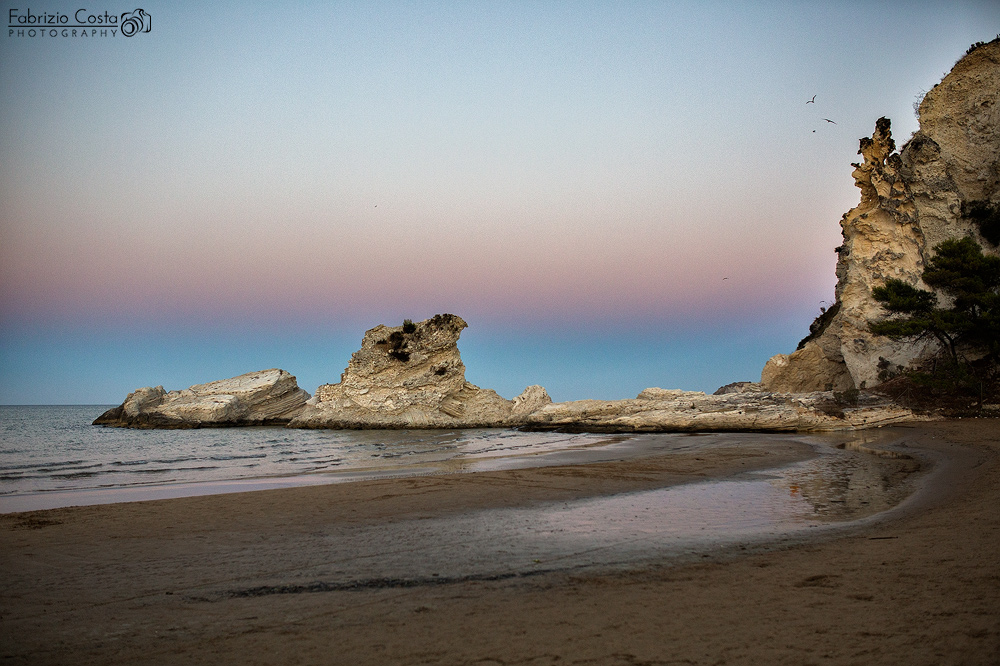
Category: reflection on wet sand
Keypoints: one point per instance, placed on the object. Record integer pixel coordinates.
(835, 486)
(854, 479)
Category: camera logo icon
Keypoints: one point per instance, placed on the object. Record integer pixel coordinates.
(135, 22)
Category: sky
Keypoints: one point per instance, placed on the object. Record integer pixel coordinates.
(614, 195)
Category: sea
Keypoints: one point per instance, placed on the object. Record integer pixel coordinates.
(52, 456)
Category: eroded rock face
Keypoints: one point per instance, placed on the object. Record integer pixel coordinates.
(911, 201)
(412, 376)
(810, 368)
(737, 387)
(663, 410)
(266, 397)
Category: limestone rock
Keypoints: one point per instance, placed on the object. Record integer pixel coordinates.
(412, 376)
(659, 410)
(736, 387)
(801, 371)
(911, 201)
(266, 397)
(531, 400)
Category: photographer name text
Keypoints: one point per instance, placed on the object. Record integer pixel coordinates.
(81, 23)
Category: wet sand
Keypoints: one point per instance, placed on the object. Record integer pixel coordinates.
(258, 578)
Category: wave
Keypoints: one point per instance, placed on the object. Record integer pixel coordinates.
(42, 465)
(57, 449)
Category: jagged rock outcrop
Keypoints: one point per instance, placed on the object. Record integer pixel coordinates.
(412, 376)
(266, 397)
(662, 410)
(941, 185)
(737, 387)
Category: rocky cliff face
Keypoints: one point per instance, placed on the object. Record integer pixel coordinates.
(942, 184)
(412, 376)
(267, 397)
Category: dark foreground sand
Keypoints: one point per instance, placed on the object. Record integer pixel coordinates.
(153, 582)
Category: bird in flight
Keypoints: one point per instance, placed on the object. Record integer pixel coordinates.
(829, 121)
(812, 101)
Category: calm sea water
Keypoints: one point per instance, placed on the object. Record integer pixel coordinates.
(50, 449)
(51, 456)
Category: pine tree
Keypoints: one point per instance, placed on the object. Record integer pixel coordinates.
(971, 279)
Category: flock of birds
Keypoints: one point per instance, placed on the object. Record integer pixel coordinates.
(813, 101)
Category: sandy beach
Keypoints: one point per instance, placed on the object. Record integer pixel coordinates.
(254, 578)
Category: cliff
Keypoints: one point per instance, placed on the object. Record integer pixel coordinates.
(944, 183)
(412, 376)
(266, 397)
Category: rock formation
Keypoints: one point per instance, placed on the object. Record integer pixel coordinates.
(412, 376)
(751, 410)
(942, 184)
(267, 397)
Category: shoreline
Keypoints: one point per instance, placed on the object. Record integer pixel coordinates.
(111, 583)
(607, 447)
(601, 448)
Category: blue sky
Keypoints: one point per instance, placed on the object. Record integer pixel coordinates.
(252, 185)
